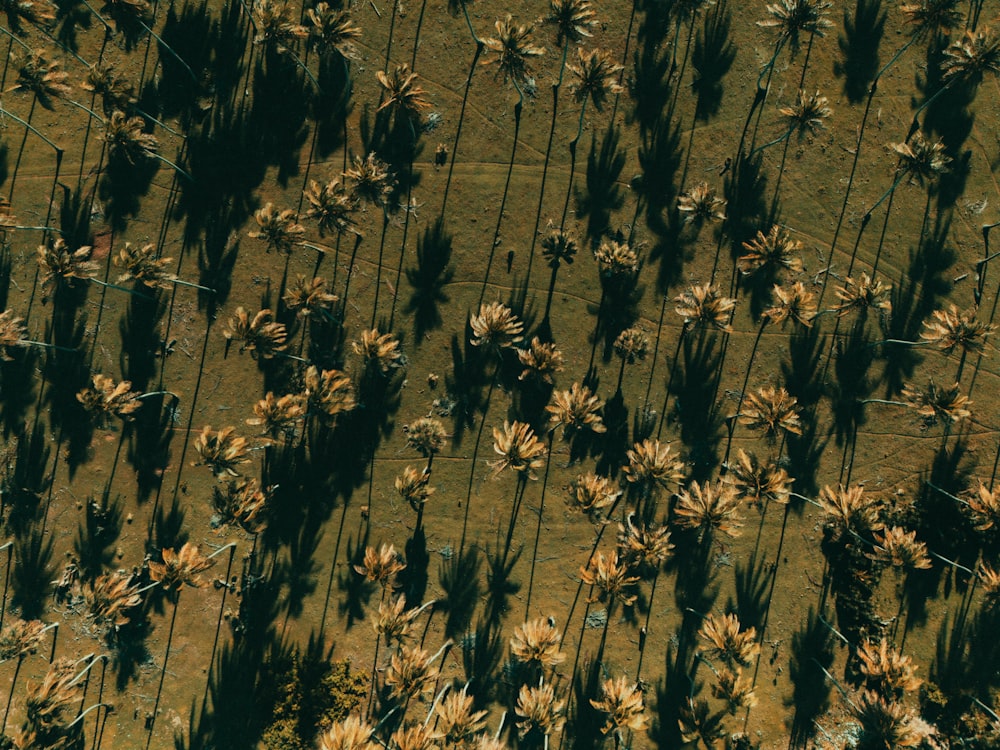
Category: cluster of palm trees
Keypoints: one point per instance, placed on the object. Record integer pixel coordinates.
(252, 132)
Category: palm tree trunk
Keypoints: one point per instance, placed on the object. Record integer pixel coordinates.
(350, 273)
(545, 165)
(885, 227)
(461, 119)
(572, 164)
(333, 567)
(538, 528)
(743, 391)
(378, 269)
(656, 350)
(10, 695)
(475, 455)
(670, 381)
(20, 151)
(684, 61)
(416, 37)
(503, 200)
(163, 672)
(218, 627)
(857, 153)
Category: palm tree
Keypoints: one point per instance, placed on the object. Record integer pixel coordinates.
(261, 336)
(539, 714)
(46, 82)
(428, 437)
(953, 329)
(573, 20)
(60, 267)
(332, 207)
(178, 568)
(701, 308)
(595, 79)
(558, 247)
(792, 303)
(615, 583)
(623, 705)
(807, 116)
(966, 62)
(19, 638)
(927, 18)
(631, 346)
(494, 329)
(222, 451)
(707, 508)
(519, 450)
(512, 52)
(371, 182)
(401, 96)
(541, 361)
(351, 733)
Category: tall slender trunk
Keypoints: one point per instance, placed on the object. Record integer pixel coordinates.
(10, 695)
(461, 119)
(743, 391)
(20, 151)
(475, 455)
(163, 672)
(538, 528)
(545, 165)
(503, 201)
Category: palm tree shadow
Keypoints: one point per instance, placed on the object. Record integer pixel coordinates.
(300, 574)
(859, 45)
(17, 394)
(694, 402)
(31, 576)
(278, 112)
(217, 257)
(430, 276)
(121, 187)
(753, 578)
(745, 190)
(149, 450)
(812, 652)
(67, 370)
(853, 382)
(465, 384)
(613, 445)
(585, 721)
(357, 590)
(602, 192)
(713, 56)
(500, 584)
(942, 527)
(140, 333)
(951, 117)
(186, 90)
(97, 535)
(917, 294)
(413, 577)
(459, 579)
(28, 482)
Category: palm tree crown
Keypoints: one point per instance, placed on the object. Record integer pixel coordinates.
(331, 206)
(573, 19)
(331, 29)
(809, 113)
(596, 75)
(127, 139)
(42, 77)
(512, 50)
(402, 94)
(970, 58)
(794, 17)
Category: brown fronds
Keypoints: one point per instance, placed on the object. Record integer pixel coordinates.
(222, 450)
(709, 507)
(518, 449)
